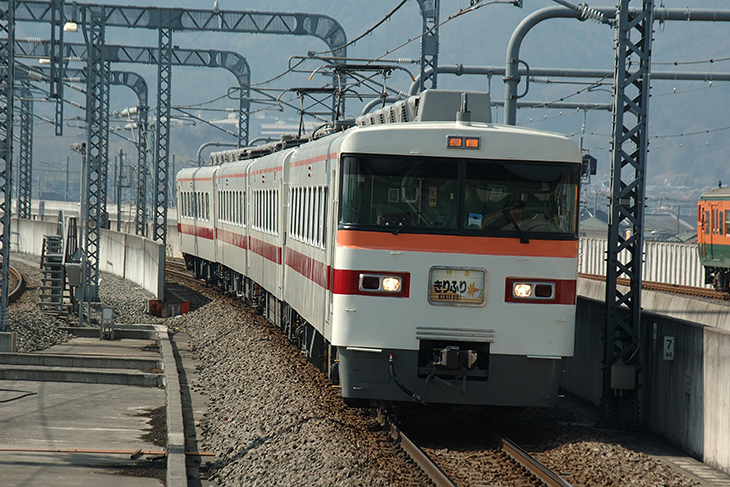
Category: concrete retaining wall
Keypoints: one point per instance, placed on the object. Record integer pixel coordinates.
(128, 256)
(27, 235)
(684, 400)
(137, 259)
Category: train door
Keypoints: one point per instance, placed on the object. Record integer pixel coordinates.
(330, 238)
(283, 220)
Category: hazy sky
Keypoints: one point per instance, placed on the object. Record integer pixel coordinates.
(688, 128)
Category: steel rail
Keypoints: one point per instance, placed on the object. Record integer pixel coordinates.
(423, 461)
(533, 465)
(17, 291)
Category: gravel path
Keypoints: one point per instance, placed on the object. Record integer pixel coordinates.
(273, 420)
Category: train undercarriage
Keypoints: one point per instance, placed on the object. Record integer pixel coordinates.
(299, 332)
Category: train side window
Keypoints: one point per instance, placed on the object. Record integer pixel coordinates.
(276, 212)
(313, 215)
(254, 213)
(300, 214)
(727, 222)
(262, 209)
(305, 223)
(293, 210)
(707, 222)
(207, 206)
(312, 210)
(324, 216)
(240, 208)
(320, 219)
(720, 222)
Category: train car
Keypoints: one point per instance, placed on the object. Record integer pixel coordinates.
(196, 216)
(713, 237)
(426, 254)
(232, 192)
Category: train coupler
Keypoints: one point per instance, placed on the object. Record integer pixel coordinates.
(453, 358)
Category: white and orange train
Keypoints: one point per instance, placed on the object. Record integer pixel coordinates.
(423, 253)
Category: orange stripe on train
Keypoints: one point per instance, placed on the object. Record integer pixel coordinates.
(453, 244)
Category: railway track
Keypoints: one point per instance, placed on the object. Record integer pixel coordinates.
(453, 469)
(667, 288)
(16, 284)
(177, 268)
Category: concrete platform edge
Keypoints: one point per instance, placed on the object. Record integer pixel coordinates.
(176, 471)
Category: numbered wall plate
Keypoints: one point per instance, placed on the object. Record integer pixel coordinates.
(457, 286)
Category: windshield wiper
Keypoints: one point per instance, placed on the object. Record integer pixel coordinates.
(407, 222)
(515, 226)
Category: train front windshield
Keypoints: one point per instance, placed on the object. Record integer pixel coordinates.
(459, 196)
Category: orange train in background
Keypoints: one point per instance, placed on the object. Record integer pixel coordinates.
(713, 237)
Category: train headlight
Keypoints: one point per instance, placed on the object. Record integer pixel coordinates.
(522, 290)
(527, 290)
(378, 283)
(391, 284)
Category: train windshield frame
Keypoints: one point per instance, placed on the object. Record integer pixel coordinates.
(455, 196)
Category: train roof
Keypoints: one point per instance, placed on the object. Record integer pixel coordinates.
(459, 111)
(716, 194)
(506, 142)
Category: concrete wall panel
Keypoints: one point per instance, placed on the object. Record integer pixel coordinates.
(717, 399)
(672, 386)
(27, 235)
